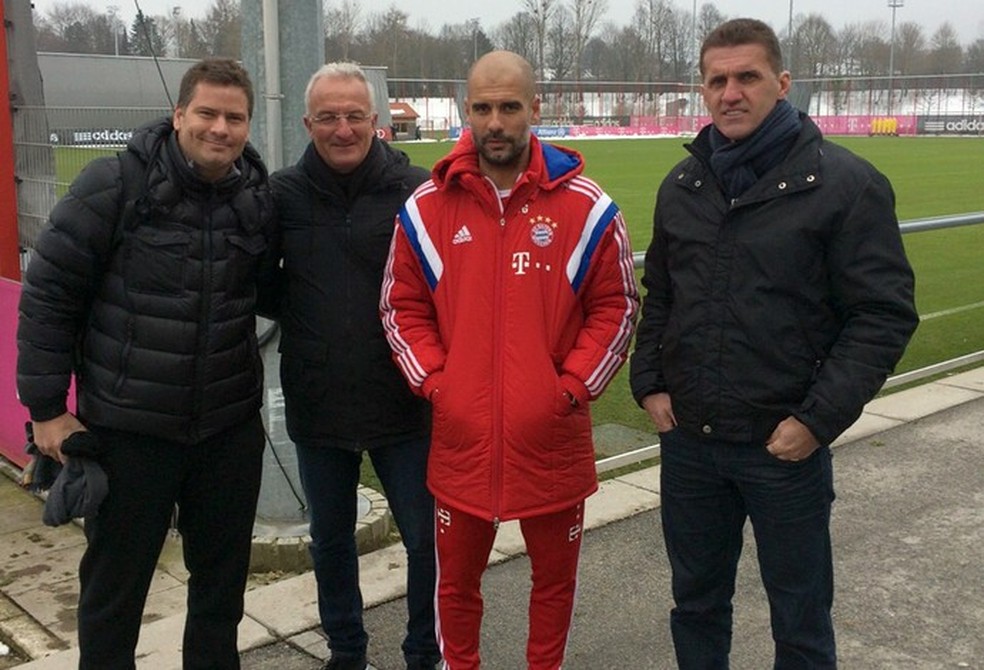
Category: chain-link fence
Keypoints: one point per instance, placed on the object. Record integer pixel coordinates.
(53, 144)
(440, 103)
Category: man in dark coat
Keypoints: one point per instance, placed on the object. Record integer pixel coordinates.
(149, 302)
(778, 299)
(343, 393)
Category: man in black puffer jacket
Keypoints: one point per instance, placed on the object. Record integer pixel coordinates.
(150, 304)
(343, 394)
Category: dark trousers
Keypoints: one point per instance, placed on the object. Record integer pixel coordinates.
(215, 484)
(330, 477)
(708, 488)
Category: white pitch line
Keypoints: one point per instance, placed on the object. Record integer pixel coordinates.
(954, 310)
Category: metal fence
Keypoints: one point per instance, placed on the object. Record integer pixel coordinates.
(53, 144)
(440, 101)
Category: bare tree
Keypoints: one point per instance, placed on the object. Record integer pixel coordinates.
(541, 11)
(653, 21)
(679, 45)
(871, 49)
(974, 57)
(222, 28)
(945, 54)
(709, 17)
(387, 34)
(74, 27)
(618, 54)
(585, 15)
(560, 47)
(341, 29)
(817, 46)
(910, 48)
(519, 35)
(848, 41)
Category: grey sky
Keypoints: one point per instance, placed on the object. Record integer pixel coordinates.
(966, 16)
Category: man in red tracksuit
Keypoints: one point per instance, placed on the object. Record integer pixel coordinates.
(509, 301)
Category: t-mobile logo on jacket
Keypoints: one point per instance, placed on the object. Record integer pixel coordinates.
(521, 263)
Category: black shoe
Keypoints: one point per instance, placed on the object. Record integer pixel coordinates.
(423, 665)
(345, 663)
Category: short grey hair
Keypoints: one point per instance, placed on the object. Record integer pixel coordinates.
(339, 70)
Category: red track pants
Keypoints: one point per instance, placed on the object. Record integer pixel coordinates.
(553, 542)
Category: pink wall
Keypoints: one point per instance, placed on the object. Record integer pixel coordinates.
(12, 413)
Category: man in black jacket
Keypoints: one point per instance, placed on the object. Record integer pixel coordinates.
(150, 303)
(778, 299)
(343, 394)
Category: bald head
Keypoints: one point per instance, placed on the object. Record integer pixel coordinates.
(502, 107)
(503, 68)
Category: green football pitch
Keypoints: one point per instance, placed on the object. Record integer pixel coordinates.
(931, 177)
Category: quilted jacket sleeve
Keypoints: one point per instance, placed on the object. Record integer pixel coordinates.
(63, 276)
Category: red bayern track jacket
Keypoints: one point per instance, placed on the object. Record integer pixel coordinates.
(499, 311)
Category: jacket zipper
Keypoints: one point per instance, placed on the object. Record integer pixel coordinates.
(207, 262)
(497, 340)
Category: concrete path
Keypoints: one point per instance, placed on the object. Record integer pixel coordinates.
(908, 530)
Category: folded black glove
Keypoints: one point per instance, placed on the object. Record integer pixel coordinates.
(75, 490)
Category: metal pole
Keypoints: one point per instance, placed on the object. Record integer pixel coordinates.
(693, 68)
(789, 31)
(113, 11)
(271, 53)
(894, 4)
(474, 27)
(176, 20)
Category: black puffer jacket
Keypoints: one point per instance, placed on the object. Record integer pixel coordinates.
(794, 299)
(157, 323)
(340, 384)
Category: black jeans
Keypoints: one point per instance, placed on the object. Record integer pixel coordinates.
(708, 488)
(215, 484)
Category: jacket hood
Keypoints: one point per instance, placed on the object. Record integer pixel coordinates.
(550, 165)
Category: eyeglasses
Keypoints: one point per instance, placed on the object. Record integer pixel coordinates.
(330, 119)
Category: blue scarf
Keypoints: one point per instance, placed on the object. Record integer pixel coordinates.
(738, 165)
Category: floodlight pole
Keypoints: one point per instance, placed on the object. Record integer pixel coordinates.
(789, 36)
(693, 67)
(894, 4)
(113, 11)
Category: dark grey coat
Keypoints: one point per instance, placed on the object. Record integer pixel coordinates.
(341, 386)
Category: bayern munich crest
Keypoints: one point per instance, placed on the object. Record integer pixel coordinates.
(542, 232)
